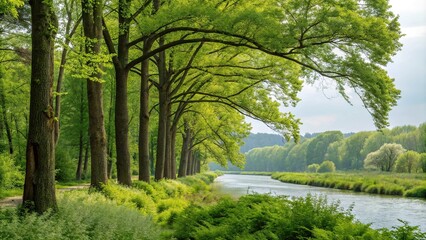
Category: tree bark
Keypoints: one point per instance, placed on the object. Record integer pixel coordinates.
(144, 162)
(173, 133)
(121, 109)
(81, 134)
(86, 160)
(109, 133)
(184, 155)
(39, 188)
(92, 24)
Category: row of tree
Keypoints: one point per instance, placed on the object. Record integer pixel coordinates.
(169, 68)
(354, 152)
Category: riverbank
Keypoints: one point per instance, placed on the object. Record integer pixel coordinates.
(172, 209)
(408, 185)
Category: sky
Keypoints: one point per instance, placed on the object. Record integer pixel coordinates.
(323, 109)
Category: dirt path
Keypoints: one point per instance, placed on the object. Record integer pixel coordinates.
(16, 200)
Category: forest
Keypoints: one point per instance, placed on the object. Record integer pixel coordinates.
(132, 99)
(130, 93)
(357, 151)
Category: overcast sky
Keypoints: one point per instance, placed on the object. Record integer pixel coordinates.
(322, 110)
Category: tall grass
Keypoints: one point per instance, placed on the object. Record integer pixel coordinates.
(116, 212)
(81, 216)
(410, 185)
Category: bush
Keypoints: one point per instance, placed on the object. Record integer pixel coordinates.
(10, 176)
(327, 166)
(419, 192)
(80, 216)
(264, 217)
(313, 168)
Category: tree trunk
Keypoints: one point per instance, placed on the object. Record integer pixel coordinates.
(163, 116)
(122, 129)
(190, 162)
(168, 155)
(39, 188)
(86, 161)
(121, 109)
(161, 138)
(144, 162)
(92, 23)
(184, 155)
(173, 132)
(80, 157)
(81, 134)
(109, 133)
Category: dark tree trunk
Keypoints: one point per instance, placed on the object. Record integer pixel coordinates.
(173, 132)
(184, 155)
(80, 157)
(121, 109)
(122, 129)
(163, 116)
(81, 134)
(109, 133)
(86, 160)
(39, 188)
(190, 162)
(161, 138)
(92, 23)
(144, 162)
(168, 153)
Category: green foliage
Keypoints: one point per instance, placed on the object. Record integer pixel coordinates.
(423, 161)
(405, 232)
(419, 192)
(385, 158)
(10, 174)
(408, 162)
(327, 166)
(10, 7)
(268, 217)
(80, 216)
(317, 148)
(313, 168)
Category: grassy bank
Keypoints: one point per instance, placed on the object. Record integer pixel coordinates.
(143, 211)
(187, 209)
(409, 185)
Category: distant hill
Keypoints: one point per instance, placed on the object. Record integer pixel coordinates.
(256, 140)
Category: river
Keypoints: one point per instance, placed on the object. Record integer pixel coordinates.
(381, 211)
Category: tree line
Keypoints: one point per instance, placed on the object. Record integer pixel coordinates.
(405, 147)
(162, 87)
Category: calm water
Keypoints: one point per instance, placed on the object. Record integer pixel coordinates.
(380, 211)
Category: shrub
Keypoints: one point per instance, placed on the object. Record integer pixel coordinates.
(264, 217)
(10, 176)
(80, 216)
(327, 166)
(313, 168)
(416, 192)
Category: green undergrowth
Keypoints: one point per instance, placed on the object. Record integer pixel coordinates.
(143, 211)
(268, 217)
(409, 185)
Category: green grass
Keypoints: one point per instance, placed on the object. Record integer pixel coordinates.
(409, 185)
(4, 193)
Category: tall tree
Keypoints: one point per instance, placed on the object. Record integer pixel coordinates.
(39, 186)
(92, 24)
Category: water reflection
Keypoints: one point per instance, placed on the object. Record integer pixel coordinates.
(380, 211)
